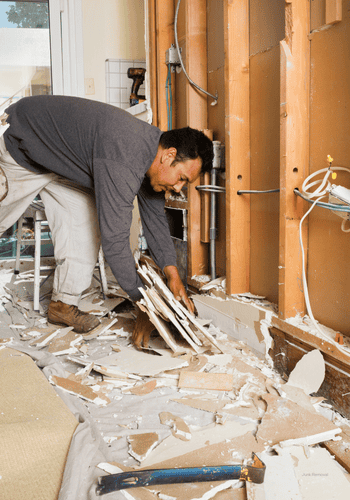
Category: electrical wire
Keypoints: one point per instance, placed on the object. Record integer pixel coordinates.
(254, 191)
(210, 188)
(306, 292)
(329, 206)
(216, 97)
(319, 193)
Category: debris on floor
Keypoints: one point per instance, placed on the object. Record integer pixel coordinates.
(196, 397)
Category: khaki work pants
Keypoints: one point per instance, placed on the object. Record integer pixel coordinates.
(72, 217)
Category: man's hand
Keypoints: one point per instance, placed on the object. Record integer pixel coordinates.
(177, 288)
(142, 330)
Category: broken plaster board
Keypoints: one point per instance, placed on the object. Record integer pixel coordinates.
(309, 372)
(284, 420)
(131, 360)
(172, 447)
(204, 380)
(239, 320)
(141, 445)
(318, 475)
(80, 390)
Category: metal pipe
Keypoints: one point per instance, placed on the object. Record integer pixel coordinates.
(216, 166)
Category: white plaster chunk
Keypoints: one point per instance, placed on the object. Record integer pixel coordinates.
(319, 476)
(130, 360)
(309, 372)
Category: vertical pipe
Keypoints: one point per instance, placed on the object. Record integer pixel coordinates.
(213, 227)
(216, 166)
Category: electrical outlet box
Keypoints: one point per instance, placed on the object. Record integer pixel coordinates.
(172, 56)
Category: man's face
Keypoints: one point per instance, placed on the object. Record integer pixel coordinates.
(167, 177)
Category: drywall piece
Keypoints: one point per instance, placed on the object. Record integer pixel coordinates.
(83, 391)
(141, 390)
(93, 304)
(298, 396)
(133, 361)
(240, 320)
(162, 329)
(214, 381)
(141, 445)
(64, 342)
(179, 427)
(308, 373)
(83, 373)
(172, 447)
(108, 371)
(166, 314)
(196, 364)
(286, 420)
(45, 339)
(318, 475)
(311, 440)
(106, 323)
(201, 403)
(280, 481)
(180, 316)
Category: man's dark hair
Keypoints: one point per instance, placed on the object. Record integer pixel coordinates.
(190, 144)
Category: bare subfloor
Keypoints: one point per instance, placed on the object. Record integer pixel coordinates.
(154, 408)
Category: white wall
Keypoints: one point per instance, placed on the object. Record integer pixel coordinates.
(111, 29)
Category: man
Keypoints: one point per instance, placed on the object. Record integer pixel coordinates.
(88, 160)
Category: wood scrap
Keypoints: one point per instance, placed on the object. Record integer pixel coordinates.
(341, 449)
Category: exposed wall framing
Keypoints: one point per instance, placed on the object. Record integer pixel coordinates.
(281, 110)
(237, 145)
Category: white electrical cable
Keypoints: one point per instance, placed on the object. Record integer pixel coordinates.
(321, 190)
(306, 292)
(182, 64)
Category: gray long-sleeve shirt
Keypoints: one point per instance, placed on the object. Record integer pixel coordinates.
(103, 148)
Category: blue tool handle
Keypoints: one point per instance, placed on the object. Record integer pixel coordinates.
(136, 479)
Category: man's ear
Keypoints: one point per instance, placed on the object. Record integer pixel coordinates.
(171, 153)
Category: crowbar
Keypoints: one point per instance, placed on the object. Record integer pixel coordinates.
(134, 479)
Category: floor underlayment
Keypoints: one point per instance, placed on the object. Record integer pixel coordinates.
(196, 397)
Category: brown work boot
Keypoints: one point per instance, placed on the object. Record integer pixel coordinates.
(67, 315)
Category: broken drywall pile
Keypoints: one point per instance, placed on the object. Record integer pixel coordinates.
(183, 404)
(165, 311)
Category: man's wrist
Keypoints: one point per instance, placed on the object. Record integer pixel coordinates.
(171, 272)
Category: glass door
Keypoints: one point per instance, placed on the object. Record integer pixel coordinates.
(41, 49)
(25, 55)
